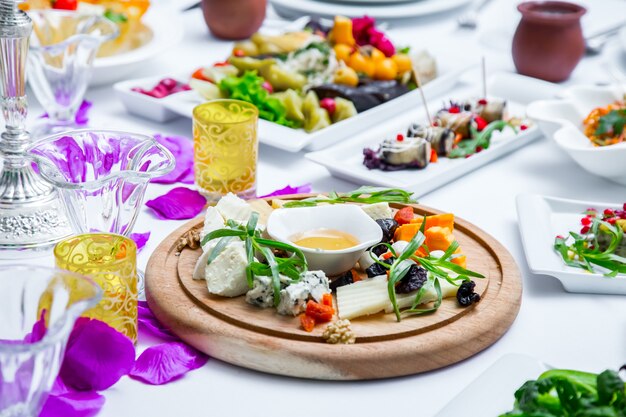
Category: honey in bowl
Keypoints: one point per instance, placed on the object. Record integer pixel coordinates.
(325, 239)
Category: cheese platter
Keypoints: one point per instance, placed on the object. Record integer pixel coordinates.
(448, 305)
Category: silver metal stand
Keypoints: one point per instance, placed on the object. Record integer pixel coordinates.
(31, 214)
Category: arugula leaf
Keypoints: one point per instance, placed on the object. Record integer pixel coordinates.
(480, 139)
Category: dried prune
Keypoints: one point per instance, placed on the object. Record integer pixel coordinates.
(377, 269)
(379, 249)
(342, 280)
(389, 227)
(465, 295)
(415, 279)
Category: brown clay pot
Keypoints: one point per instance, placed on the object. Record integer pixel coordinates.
(548, 43)
(234, 19)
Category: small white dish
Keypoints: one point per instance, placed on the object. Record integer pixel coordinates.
(492, 393)
(345, 160)
(144, 105)
(562, 120)
(541, 219)
(284, 224)
(167, 31)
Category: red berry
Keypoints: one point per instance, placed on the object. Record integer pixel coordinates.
(65, 4)
(585, 230)
(585, 221)
(454, 109)
(267, 86)
(480, 123)
(523, 127)
(479, 149)
(482, 102)
(608, 213)
(399, 137)
(328, 104)
(611, 220)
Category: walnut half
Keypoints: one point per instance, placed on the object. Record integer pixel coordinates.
(190, 239)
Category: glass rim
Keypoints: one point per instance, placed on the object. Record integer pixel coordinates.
(55, 331)
(211, 103)
(115, 32)
(82, 236)
(41, 160)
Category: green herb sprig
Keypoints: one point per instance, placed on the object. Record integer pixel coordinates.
(363, 195)
(437, 267)
(612, 123)
(291, 267)
(480, 139)
(584, 252)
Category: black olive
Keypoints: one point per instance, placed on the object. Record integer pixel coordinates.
(414, 279)
(389, 227)
(341, 280)
(465, 295)
(377, 269)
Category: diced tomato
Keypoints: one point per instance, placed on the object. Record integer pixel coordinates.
(327, 299)
(65, 4)
(307, 322)
(319, 312)
(199, 75)
(404, 215)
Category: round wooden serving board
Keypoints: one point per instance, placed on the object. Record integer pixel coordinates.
(234, 331)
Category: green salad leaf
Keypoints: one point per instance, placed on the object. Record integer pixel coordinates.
(480, 140)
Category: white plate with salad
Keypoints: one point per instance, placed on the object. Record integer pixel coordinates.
(385, 159)
(545, 224)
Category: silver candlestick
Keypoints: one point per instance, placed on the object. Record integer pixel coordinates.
(31, 215)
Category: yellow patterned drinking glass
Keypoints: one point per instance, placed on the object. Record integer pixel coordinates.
(225, 147)
(110, 260)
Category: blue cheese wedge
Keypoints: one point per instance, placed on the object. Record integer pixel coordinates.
(231, 207)
(226, 275)
(262, 293)
(293, 298)
(378, 211)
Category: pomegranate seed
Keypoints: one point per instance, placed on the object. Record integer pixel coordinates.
(560, 237)
(454, 110)
(608, 213)
(437, 124)
(479, 149)
(585, 221)
(480, 123)
(399, 137)
(585, 230)
(467, 156)
(482, 102)
(523, 127)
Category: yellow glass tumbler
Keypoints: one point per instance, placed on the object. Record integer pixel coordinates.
(225, 148)
(111, 261)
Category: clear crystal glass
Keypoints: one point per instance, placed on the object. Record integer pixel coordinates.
(38, 309)
(63, 47)
(101, 175)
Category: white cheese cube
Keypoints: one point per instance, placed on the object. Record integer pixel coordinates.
(199, 271)
(232, 207)
(365, 261)
(363, 298)
(378, 211)
(213, 221)
(226, 275)
(399, 246)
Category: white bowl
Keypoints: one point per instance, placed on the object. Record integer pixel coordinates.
(142, 104)
(562, 120)
(283, 224)
(167, 31)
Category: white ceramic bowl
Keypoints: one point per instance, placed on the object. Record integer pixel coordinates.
(283, 224)
(562, 120)
(144, 105)
(167, 30)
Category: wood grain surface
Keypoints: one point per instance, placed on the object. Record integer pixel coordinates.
(236, 332)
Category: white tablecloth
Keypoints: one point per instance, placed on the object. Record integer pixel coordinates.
(565, 330)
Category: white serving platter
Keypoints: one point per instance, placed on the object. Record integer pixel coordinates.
(562, 120)
(167, 31)
(356, 8)
(492, 393)
(345, 160)
(272, 134)
(541, 219)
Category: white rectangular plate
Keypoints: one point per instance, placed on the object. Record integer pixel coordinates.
(281, 137)
(492, 393)
(541, 219)
(345, 160)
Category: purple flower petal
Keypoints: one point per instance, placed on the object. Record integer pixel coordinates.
(140, 239)
(72, 404)
(150, 324)
(178, 204)
(82, 114)
(182, 149)
(301, 189)
(167, 362)
(39, 329)
(97, 356)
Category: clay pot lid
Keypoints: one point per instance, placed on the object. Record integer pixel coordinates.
(551, 12)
